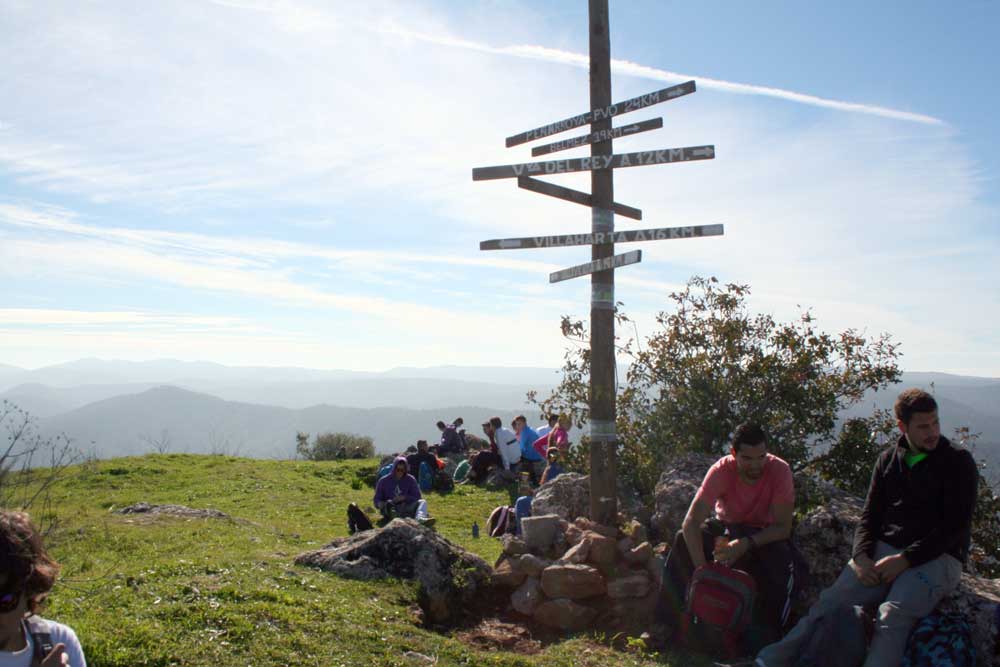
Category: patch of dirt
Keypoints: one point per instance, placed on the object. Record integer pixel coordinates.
(493, 633)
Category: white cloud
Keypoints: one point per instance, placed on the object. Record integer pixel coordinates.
(354, 126)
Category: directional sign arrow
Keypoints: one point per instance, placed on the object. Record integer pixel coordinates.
(634, 104)
(575, 196)
(630, 257)
(618, 161)
(594, 238)
(597, 137)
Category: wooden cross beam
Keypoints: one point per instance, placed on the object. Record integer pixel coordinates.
(602, 236)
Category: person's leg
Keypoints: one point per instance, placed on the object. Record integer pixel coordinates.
(847, 589)
(774, 572)
(677, 571)
(522, 509)
(421, 512)
(913, 595)
(407, 510)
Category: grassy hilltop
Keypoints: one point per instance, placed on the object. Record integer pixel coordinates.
(144, 590)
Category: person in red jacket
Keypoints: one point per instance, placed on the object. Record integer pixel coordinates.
(752, 494)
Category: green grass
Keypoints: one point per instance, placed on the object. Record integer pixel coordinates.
(166, 591)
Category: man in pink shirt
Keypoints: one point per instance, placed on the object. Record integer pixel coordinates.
(752, 495)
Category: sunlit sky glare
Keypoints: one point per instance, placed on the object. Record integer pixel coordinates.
(289, 183)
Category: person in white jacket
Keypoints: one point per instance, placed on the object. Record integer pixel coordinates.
(27, 574)
(508, 446)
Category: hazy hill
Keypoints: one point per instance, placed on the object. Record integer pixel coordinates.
(258, 409)
(65, 387)
(199, 423)
(44, 401)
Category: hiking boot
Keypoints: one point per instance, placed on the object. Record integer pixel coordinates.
(427, 521)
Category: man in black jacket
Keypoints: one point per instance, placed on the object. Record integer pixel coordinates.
(912, 540)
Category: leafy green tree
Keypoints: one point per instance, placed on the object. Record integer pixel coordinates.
(712, 364)
(331, 446)
(849, 462)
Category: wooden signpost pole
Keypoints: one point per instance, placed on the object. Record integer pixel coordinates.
(603, 486)
(601, 164)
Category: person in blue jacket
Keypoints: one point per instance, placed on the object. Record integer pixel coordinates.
(531, 461)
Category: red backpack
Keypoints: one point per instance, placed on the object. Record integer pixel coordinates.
(719, 607)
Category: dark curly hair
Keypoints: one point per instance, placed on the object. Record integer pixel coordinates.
(23, 558)
(912, 401)
(748, 433)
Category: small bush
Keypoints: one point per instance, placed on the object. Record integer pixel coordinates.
(333, 446)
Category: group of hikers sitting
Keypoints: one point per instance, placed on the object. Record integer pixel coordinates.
(907, 555)
(535, 453)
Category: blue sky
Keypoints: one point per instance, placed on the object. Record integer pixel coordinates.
(289, 183)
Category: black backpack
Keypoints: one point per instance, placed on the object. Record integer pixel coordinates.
(357, 520)
(41, 637)
(443, 482)
(839, 639)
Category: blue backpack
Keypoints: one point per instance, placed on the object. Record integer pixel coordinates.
(425, 477)
(385, 470)
(940, 639)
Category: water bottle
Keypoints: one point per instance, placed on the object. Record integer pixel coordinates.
(475, 529)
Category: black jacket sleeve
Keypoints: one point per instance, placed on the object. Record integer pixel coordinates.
(870, 525)
(959, 504)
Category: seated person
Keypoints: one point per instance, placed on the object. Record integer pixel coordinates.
(531, 461)
(397, 494)
(555, 437)
(480, 462)
(504, 451)
(423, 456)
(553, 469)
(912, 540)
(753, 495)
(451, 442)
(522, 506)
(550, 423)
(26, 577)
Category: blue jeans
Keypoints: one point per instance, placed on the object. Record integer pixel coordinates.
(522, 508)
(913, 595)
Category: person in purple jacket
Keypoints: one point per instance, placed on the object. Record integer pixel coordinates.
(398, 494)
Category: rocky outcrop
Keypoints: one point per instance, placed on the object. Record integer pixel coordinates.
(824, 535)
(173, 510)
(449, 576)
(568, 496)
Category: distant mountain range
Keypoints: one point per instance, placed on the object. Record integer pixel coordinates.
(119, 408)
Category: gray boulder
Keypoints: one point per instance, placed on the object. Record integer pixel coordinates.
(449, 576)
(568, 495)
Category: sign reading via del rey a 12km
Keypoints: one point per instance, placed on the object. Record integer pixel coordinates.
(640, 159)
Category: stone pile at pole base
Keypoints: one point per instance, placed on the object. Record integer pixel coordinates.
(580, 574)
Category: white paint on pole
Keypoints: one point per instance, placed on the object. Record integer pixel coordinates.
(631, 257)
